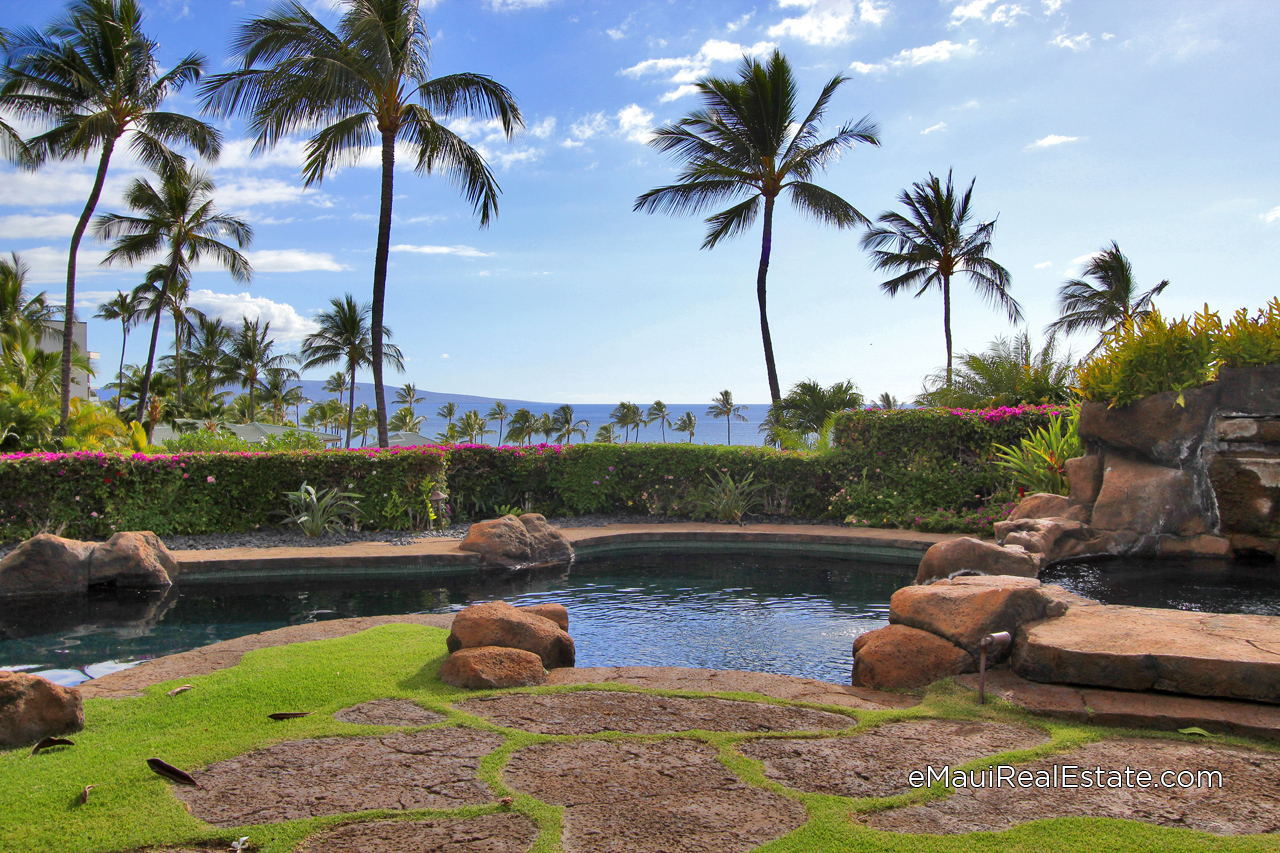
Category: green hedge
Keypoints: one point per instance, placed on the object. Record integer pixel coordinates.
(91, 495)
(923, 469)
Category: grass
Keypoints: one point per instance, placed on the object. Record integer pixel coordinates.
(225, 715)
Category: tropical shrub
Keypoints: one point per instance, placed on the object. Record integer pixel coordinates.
(727, 500)
(1038, 464)
(1251, 341)
(319, 512)
(1010, 372)
(210, 441)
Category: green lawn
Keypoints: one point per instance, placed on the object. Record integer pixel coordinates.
(225, 715)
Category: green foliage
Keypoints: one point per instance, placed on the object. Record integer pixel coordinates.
(1039, 462)
(212, 441)
(95, 494)
(1151, 356)
(1008, 373)
(730, 500)
(320, 512)
(1251, 341)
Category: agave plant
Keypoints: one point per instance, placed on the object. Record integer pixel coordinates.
(318, 512)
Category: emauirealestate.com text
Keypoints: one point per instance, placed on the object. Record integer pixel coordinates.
(1062, 776)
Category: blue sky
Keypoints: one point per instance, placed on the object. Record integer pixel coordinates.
(1152, 124)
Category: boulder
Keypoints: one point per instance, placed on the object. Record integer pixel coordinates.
(548, 545)
(1247, 490)
(555, 612)
(1084, 476)
(1042, 535)
(46, 565)
(134, 560)
(1040, 505)
(499, 624)
(1254, 547)
(1156, 428)
(510, 541)
(964, 610)
(1249, 390)
(975, 555)
(488, 667)
(1152, 499)
(902, 658)
(32, 708)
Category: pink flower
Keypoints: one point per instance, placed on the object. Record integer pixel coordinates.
(210, 479)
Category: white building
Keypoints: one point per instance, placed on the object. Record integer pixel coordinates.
(52, 342)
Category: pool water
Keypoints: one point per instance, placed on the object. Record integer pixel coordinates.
(1215, 586)
(797, 616)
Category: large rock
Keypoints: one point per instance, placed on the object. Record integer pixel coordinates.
(511, 542)
(1041, 505)
(488, 667)
(964, 610)
(133, 560)
(1249, 390)
(1155, 427)
(898, 657)
(555, 612)
(499, 624)
(1247, 489)
(46, 565)
(1084, 477)
(32, 708)
(1152, 499)
(1231, 656)
(1051, 537)
(974, 555)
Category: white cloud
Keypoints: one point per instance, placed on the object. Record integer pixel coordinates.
(1108, 36)
(239, 154)
(734, 26)
(63, 183)
(684, 70)
(25, 227)
(632, 122)
(829, 22)
(286, 323)
(544, 128)
(1052, 6)
(911, 57)
(1076, 43)
(48, 264)
(1003, 13)
(241, 195)
(516, 5)
(1044, 264)
(1052, 140)
(1271, 215)
(678, 92)
(293, 260)
(460, 251)
(1078, 263)
(942, 125)
(444, 356)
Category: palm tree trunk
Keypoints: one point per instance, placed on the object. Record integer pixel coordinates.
(380, 278)
(124, 343)
(728, 429)
(351, 404)
(946, 321)
(766, 247)
(69, 312)
(177, 352)
(155, 336)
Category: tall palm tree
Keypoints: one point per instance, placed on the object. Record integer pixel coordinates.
(12, 148)
(280, 393)
(521, 428)
(407, 395)
(365, 420)
(345, 337)
(1107, 302)
(180, 219)
(448, 411)
(366, 83)
(154, 298)
(888, 402)
(473, 426)
(748, 139)
(92, 76)
(687, 422)
(544, 426)
(18, 308)
(605, 433)
(933, 243)
(627, 416)
(567, 424)
(251, 358)
(659, 415)
(404, 420)
(206, 355)
(722, 407)
(123, 307)
(498, 412)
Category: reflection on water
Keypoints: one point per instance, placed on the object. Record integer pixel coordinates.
(769, 614)
(1215, 586)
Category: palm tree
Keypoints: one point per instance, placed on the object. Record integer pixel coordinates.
(931, 244)
(567, 425)
(93, 75)
(1009, 372)
(473, 426)
(448, 411)
(18, 308)
(153, 299)
(544, 426)
(12, 148)
(344, 337)
(1111, 300)
(605, 434)
(279, 392)
(747, 138)
(888, 402)
(722, 407)
(122, 307)
(627, 415)
(687, 422)
(179, 217)
(206, 356)
(659, 415)
(364, 421)
(808, 405)
(521, 428)
(404, 420)
(250, 358)
(366, 83)
(407, 395)
(498, 412)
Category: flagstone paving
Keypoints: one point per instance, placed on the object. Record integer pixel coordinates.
(493, 833)
(388, 712)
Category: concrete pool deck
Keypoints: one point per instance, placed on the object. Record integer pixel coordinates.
(442, 556)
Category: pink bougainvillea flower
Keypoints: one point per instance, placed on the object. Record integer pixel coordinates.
(210, 479)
